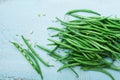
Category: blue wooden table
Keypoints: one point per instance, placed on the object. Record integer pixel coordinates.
(23, 17)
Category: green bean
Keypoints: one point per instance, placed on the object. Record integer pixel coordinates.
(37, 64)
(68, 65)
(86, 56)
(112, 22)
(58, 29)
(75, 21)
(113, 26)
(82, 10)
(63, 58)
(86, 63)
(65, 23)
(36, 67)
(55, 55)
(76, 55)
(34, 52)
(103, 71)
(114, 47)
(77, 16)
(98, 56)
(116, 68)
(115, 43)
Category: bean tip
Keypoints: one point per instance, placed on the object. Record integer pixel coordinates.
(11, 42)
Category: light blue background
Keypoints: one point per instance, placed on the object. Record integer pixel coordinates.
(21, 17)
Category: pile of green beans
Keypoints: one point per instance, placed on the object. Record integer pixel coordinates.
(89, 41)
